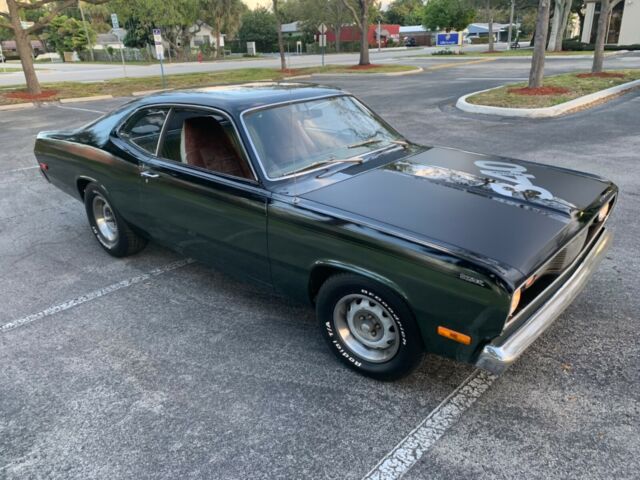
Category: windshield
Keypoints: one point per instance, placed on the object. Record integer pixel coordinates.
(300, 136)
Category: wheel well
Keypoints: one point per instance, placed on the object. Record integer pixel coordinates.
(82, 185)
(319, 275)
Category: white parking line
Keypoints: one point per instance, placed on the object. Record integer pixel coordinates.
(19, 169)
(412, 447)
(93, 295)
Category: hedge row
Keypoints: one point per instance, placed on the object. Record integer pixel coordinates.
(573, 44)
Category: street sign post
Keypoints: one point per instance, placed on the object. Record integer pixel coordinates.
(4, 65)
(157, 40)
(118, 32)
(114, 21)
(322, 39)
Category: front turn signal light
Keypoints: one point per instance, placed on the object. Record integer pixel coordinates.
(515, 301)
(604, 211)
(453, 335)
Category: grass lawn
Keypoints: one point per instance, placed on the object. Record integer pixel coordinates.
(9, 70)
(125, 86)
(574, 85)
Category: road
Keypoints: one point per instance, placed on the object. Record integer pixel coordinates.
(87, 72)
(148, 368)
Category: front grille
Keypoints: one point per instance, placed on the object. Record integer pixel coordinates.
(567, 255)
(559, 263)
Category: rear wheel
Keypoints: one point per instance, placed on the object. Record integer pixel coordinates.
(111, 231)
(369, 327)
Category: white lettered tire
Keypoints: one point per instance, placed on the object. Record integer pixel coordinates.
(369, 327)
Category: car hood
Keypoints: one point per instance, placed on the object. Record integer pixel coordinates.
(508, 212)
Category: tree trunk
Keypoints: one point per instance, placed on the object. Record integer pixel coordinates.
(23, 45)
(283, 60)
(338, 31)
(490, 15)
(364, 33)
(217, 34)
(536, 74)
(510, 34)
(563, 25)
(603, 26)
(555, 24)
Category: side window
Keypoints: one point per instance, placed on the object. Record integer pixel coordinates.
(144, 128)
(206, 140)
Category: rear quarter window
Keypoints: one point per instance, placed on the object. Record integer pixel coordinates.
(144, 128)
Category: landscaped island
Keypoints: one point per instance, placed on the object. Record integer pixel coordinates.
(556, 90)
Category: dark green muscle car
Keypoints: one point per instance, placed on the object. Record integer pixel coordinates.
(402, 248)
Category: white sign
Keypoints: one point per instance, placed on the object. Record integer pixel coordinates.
(114, 21)
(322, 40)
(159, 52)
(322, 28)
(157, 36)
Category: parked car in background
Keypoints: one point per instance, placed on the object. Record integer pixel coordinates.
(402, 248)
(409, 42)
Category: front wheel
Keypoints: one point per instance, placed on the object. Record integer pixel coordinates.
(111, 231)
(369, 327)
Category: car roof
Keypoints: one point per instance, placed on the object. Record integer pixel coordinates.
(235, 99)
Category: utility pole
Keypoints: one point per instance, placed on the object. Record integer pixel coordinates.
(86, 31)
(513, 7)
(379, 30)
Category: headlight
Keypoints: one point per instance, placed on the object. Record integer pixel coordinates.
(515, 300)
(602, 214)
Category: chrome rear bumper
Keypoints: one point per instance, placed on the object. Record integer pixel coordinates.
(498, 355)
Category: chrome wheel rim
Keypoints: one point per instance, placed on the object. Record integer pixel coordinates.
(105, 219)
(366, 328)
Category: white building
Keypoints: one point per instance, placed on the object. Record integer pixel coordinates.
(624, 26)
(203, 34)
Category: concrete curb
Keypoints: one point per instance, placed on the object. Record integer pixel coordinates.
(546, 112)
(86, 99)
(16, 106)
(297, 77)
(473, 56)
(381, 74)
(142, 93)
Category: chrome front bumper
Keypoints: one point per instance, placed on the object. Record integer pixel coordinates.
(498, 355)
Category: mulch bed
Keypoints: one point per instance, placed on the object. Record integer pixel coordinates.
(601, 75)
(540, 91)
(22, 95)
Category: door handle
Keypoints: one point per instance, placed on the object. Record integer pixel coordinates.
(149, 174)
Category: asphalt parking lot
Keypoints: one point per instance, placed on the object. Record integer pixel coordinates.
(153, 367)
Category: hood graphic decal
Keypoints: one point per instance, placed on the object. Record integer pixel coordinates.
(492, 183)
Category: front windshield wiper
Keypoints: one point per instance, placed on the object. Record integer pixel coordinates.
(325, 162)
(364, 143)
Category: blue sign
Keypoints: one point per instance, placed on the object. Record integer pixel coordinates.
(445, 39)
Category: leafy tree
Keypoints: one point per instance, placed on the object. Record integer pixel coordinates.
(139, 33)
(360, 13)
(448, 15)
(259, 26)
(68, 34)
(47, 10)
(222, 14)
(176, 18)
(404, 12)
